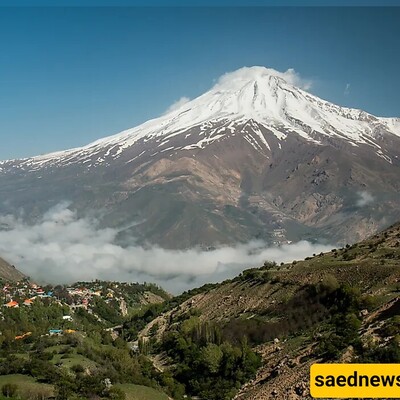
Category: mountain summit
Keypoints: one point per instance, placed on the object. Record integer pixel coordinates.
(254, 95)
(254, 157)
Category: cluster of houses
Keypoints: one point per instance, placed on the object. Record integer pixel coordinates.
(82, 295)
(23, 293)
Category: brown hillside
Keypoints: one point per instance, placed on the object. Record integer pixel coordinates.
(9, 272)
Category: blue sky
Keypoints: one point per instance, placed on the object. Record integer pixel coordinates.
(71, 75)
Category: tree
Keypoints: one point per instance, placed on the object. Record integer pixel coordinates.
(211, 357)
(64, 387)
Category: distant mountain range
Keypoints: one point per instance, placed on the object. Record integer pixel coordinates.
(254, 157)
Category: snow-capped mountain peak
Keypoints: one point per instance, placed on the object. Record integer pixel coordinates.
(256, 156)
(263, 96)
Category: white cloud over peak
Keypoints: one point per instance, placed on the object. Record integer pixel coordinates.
(248, 73)
(177, 104)
(294, 78)
(290, 76)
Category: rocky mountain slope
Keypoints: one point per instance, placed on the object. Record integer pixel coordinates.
(343, 306)
(254, 157)
(9, 272)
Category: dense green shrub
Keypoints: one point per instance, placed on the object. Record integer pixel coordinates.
(207, 367)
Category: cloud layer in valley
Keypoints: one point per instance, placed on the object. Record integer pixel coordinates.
(61, 248)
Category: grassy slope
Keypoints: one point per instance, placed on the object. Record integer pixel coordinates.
(138, 392)
(26, 384)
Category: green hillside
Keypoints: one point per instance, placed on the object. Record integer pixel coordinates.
(343, 305)
(138, 392)
(69, 341)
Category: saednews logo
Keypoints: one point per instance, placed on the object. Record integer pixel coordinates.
(355, 380)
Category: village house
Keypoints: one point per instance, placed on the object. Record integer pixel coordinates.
(55, 332)
(12, 304)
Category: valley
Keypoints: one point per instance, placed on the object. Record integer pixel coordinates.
(271, 322)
